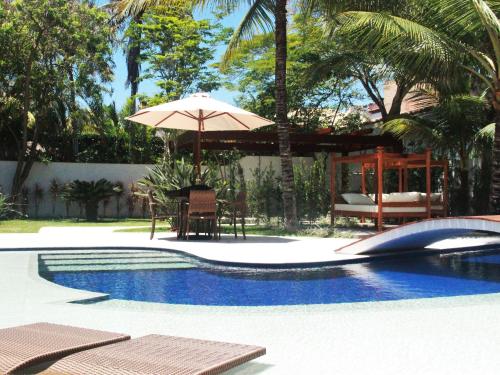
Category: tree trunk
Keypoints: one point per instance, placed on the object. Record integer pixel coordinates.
(289, 204)
(23, 167)
(495, 175)
(463, 192)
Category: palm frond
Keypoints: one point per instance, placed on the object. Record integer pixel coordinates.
(410, 129)
(487, 133)
(258, 17)
(401, 42)
(333, 7)
(123, 9)
(491, 24)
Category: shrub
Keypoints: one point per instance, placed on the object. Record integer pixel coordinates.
(89, 194)
(6, 208)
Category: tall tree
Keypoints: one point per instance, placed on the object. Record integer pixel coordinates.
(445, 36)
(49, 49)
(260, 17)
(177, 50)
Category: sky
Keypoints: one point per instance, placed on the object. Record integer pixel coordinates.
(120, 93)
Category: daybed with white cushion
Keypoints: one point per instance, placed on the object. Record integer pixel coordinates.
(401, 204)
(411, 204)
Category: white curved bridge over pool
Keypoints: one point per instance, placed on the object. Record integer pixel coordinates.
(418, 235)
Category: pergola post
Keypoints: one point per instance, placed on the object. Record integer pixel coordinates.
(332, 188)
(445, 188)
(428, 181)
(363, 185)
(380, 186)
(400, 180)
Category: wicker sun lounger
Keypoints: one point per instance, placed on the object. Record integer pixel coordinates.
(24, 346)
(155, 354)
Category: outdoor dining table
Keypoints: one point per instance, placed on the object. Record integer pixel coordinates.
(182, 198)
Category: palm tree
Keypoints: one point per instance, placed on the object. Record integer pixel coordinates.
(455, 127)
(259, 16)
(445, 36)
(123, 11)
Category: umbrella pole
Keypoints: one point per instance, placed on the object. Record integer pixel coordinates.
(197, 154)
(197, 146)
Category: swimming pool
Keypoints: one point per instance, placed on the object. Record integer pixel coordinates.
(175, 279)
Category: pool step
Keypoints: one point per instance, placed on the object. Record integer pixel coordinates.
(112, 261)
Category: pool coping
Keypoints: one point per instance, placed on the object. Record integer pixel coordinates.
(365, 259)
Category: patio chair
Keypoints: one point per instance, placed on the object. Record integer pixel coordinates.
(27, 345)
(156, 354)
(202, 206)
(239, 211)
(159, 211)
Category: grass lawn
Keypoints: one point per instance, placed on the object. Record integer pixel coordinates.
(33, 226)
(266, 230)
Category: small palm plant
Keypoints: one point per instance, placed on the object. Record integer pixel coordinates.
(25, 200)
(132, 199)
(105, 204)
(65, 196)
(38, 194)
(54, 189)
(118, 191)
(89, 193)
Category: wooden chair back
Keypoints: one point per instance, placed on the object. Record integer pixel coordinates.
(152, 203)
(202, 201)
(240, 204)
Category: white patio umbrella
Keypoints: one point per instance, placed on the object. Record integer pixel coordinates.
(199, 113)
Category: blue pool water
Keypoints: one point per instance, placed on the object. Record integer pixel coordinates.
(415, 277)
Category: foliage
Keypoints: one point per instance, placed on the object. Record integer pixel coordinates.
(118, 191)
(176, 50)
(437, 39)
(312, 104)
(65, 195)
(264, 194)
(55, 55)
(7, 208)
(132, 199)
(55, 189)
(89, 194)
(452, 130)
(173, 175)
(313, 196)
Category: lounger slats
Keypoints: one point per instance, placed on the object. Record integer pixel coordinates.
(27, 345)
(156, 354)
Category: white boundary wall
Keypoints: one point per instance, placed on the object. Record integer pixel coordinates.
(43, 174)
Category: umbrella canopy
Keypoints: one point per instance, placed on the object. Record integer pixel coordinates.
(199, 113)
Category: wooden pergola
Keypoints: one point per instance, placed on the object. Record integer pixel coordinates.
(266, 143)
(380, 161)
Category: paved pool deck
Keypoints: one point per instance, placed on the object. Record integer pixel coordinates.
(452, 335)
(256, 250)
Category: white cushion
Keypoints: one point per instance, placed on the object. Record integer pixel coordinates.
(435, 197)
(374, 196)
(356, 198)
(411, 196)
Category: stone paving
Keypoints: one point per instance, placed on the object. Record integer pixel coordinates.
(453, 335)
